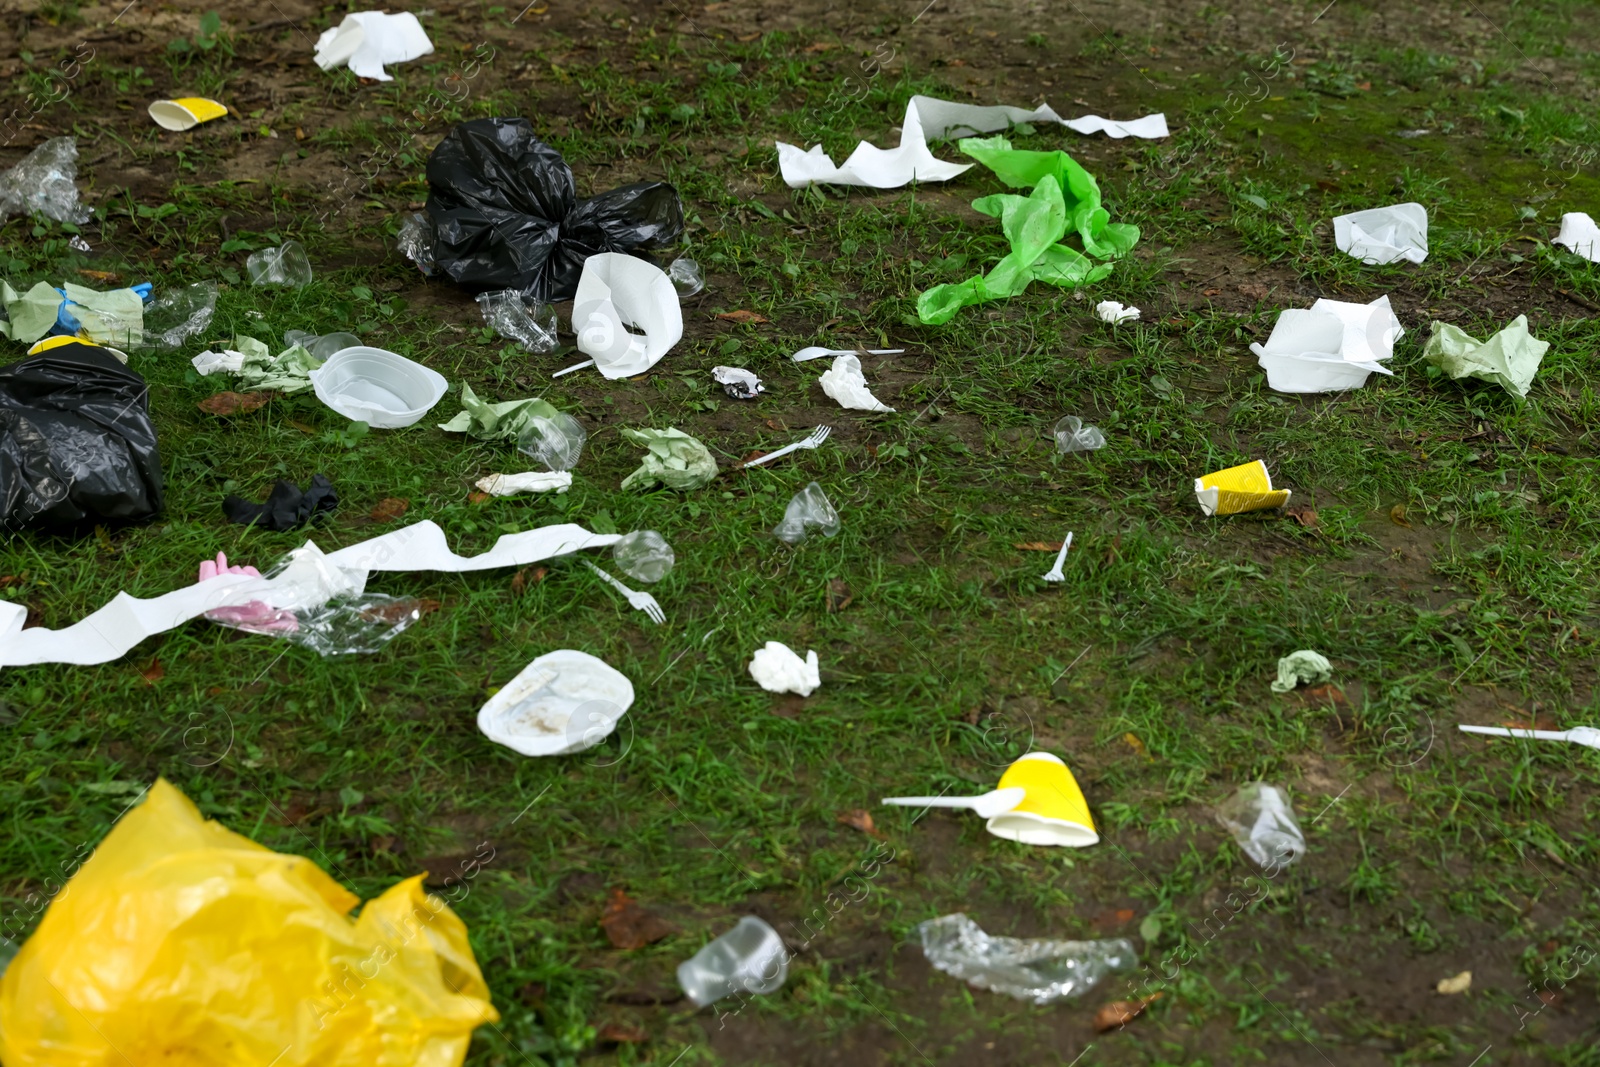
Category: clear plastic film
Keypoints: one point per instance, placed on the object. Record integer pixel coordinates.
(530, 323)
(416, 240)
(45, 183)
(1034, 969)
(284, 265)
(1261, 820)
(644, 554)
(1073, 436)
(179, 314)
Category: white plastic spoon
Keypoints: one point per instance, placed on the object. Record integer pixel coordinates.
(818, 352)
(1578, 735)
(986, 806)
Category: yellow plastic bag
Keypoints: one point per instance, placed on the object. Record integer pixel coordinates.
(184, 944)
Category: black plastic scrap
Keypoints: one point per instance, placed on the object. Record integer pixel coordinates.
(287, 507)
(507, 216)
(76, 440)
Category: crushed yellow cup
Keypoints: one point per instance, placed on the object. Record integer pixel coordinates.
(1247, 487)
(1053, 810)
(186, 113)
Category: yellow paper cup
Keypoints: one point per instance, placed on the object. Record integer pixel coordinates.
(185, 114)
(1247, 487)
(1052, 812)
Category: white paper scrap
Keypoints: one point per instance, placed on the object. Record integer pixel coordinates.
(1113, 312)
(527, 482)
(368, 40)
(1384, 234)
(845, 383)
(626, 314)
(1580, 234)
(777, 668)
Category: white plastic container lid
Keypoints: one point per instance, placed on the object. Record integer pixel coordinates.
(384, 390)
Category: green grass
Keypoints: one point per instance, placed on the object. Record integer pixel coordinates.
(1429, 852)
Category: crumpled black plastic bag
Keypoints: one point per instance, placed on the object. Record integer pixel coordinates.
(286, 508)
(76, 440)
(507, 216)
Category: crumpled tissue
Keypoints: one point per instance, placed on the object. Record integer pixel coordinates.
(777, 668)
(368, 40)
(1114, 313)
(527, 482)
(845, 383)
(1304, 666)
(1384, 234)
(1510, 358)
(1580, 234)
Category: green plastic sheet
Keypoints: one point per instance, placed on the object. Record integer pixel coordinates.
(503, 421)
(1510, 358)
(113, 317)
(674, 460)
(1305, 666)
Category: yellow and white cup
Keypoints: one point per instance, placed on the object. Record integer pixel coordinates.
(1247, 487)
(1052, 812)
(185, 113)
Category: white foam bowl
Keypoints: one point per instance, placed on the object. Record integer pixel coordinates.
(562, 702)
(384, 390)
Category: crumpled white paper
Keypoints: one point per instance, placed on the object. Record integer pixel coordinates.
(615, 292)
(1580, 234)
(1331, 347)
(1384, 234)
(928, 118)
(527, 482)
(1113, 312)
(777, 668)
(737, 382)
(845, 383)
(367, 40)
(1370, 330)
(312, 578)
(227, 361)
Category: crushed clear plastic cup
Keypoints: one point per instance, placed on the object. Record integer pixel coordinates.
(555, 444)
(1261, 820)
(750, 958)
(1073, 436)
(686, 276)
(643, 554)
(285, 265)
(416, 241)
(809, 509)
(530, 323)
(1033, 969)
(45, 183)
(322, 346)
(179, 314)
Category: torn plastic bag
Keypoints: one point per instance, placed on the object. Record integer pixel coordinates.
(76, 440)
(45, 182)
(507, 214)
(178, 314)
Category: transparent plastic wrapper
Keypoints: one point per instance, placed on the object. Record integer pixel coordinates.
(528, 322)
(1260, 819)
(1033, 969)
(643, 554)
(1073, 436)
(344, 626)
(554, 442)
(416, 240)
(809, 509)
(285, 265)
(686, 276)
(45, 183)
(750, 958)
(175, 316)
(324, 346)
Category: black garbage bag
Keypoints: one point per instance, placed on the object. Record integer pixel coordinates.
(287, 507)
(507, 216)
(76, 441)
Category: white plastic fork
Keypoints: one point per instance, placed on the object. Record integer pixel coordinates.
(818, 352)
(1055, 574)
(642, 601)
(1580, 735)
(817, 436)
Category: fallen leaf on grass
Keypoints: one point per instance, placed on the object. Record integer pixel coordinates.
(820, 46)
(629, 926)
(235, 403)
(1120, 1013)
(153, 673)
(1325, 693)
(101, 277)
(1038, 546)
(1253, 291)
(1112, 919)
(621, 1034)
(1210, 292)
(742, 316)
(478, 498)
(747, 38)
(1459, 984)
(1137, 745)
(303, 427)
(751, 456)
(859, 820)
(525, 577)
(389, 509)
(1397, 515)
(1304, 514)
(839, 596)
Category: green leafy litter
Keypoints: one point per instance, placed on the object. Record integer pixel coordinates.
(504, 421)
(287, 372)
(675, 460)
(1065, 199)
(1510, 358)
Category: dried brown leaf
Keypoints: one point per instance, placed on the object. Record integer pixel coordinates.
(1326, 693)
(101, 277)
(478, 498)
(1304, 514)
(235, 403)
(1137, 745)
(1253, 290)
(1112, 919)
(525, 577)
(389, 509)
(1120, 1013)
(839, 596)
(629, 926)
(859, 819)
(742, 316)
(153, 673)
(1397, 515)
(820, 46)
(1038, 546)
(621, 1034)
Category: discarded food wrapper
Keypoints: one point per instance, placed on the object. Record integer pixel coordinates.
(528, 322)
(527, 482)
(644, 554)
(110, 317)
(750, 958)
(1510, 358)
(1114, 313)
(384, 390)
(284, 265)
(321, 347)
(674, 459)
(808, 509)
(1247, 487)
(1384, 234)
(931, 119)
(45, 183)
(738, 382)
(686, 277)
(1305, 667)
(186, 112)
(845, 383)
(1332, 347)
(777, 668)
(1261, 820)
(563, 702)
(1033, 969)
(312, 579)
(76, 440)
(555, 442)
(1053, 810)
(367, 41)
(625, 313)
(287, 507)
(136, 955)
(287, 372)
(1073, 436)
(1580, 235)
(178, 314)
(506, 214)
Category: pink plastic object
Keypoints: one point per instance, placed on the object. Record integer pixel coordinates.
(209, 569)
(255, 616)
